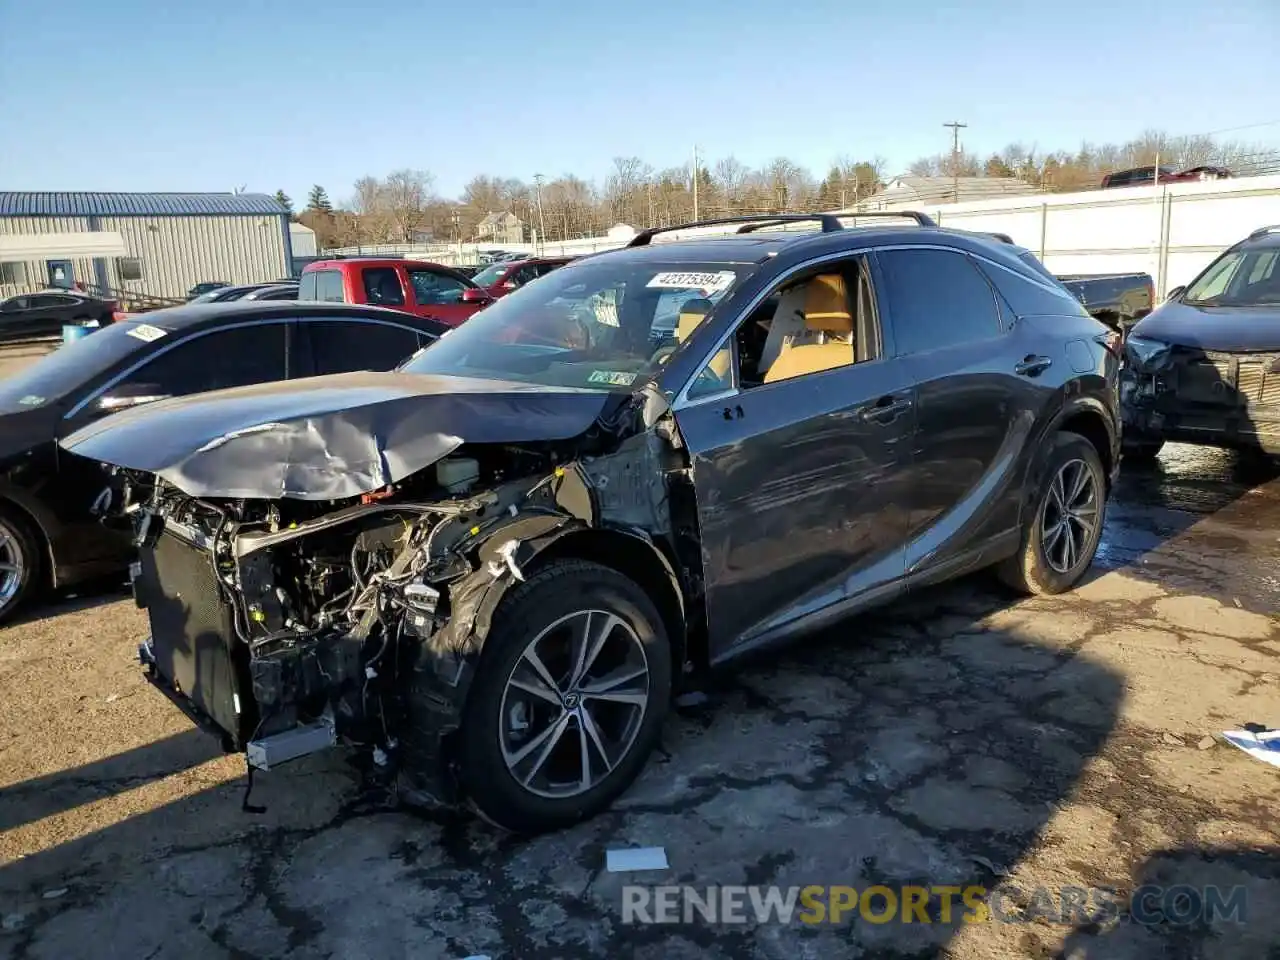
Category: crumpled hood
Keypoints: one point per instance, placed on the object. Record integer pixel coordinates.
(328, 438)
(1223, 329)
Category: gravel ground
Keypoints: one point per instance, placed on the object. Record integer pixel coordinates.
(958, 737)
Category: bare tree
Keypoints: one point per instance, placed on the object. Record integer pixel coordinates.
(731, 176)
(406, 194)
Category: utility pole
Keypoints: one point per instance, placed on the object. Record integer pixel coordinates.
(542, 223)
(695, 181)
(956, 127)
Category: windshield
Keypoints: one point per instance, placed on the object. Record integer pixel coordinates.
(1243, 278)
(490, 275)
(602, 324)
(68, 367)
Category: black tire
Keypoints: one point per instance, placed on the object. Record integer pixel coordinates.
(1140, 451)
(18, 535)
(1030, 570)
(560, 590)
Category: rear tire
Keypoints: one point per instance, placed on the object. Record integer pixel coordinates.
(512, 716)
(1071, 503)
(21, 563)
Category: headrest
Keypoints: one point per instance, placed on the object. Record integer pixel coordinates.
(692, 313)
(826, 304)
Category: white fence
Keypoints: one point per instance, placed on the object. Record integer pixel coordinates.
(1171, 231)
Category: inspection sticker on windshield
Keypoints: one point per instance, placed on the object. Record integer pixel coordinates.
(147, 333)
(31, 400)
(614, 378)
(706, 282)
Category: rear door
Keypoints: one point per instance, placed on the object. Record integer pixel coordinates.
(974, 409)
(439, 295)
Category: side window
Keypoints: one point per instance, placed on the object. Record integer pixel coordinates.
(344, 346)
(329, 286)
(215, 361)
(307, 287)
(1031, 298)
(938, 299)
(431, 288)
(810, 324)
(44, 300)
(382, 287)
(523, 275)
(545, 268)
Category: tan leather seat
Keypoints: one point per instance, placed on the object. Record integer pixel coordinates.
(692, 313)
(826, 313)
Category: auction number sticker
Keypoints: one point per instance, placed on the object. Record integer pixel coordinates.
(706, 282)
(147, 333)
(614, 378)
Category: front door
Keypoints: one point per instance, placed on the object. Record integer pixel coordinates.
(798, 484)
(439, 296)
(61, 274)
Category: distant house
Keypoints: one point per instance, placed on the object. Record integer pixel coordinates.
(906, 192)
(503, 227)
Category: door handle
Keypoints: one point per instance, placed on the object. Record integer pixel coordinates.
(1032, 365)
(886, 408)
(732, 413)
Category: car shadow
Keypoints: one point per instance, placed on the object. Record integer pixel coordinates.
(1190, 903)
(922, 746)
(83, 596)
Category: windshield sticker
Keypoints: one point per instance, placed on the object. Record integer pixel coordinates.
(147, 333)
(708, 283)
(31, 400)
(614, 378)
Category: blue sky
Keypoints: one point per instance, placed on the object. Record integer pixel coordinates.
(151, 95)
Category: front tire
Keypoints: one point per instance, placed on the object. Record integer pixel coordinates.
(20, 563)
(1061, 534)
(568, 700)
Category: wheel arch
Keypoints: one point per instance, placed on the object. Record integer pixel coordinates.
(39, 523)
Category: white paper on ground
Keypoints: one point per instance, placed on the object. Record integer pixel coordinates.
(635, 858)
(1261, 746)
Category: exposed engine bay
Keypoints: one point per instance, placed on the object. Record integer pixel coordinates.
(290, 625)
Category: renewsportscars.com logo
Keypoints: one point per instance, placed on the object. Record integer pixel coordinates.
(1180, 905)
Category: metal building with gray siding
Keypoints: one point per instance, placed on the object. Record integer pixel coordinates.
(141, 244)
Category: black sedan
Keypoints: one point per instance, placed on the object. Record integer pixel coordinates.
(36, 316)
(496, 564)
(49, 533)
(1205, 366)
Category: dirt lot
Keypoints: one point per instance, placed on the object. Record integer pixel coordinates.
(957, 738)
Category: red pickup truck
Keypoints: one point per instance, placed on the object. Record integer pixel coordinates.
(414, 286)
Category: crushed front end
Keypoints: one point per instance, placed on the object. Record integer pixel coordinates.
(1192, 395)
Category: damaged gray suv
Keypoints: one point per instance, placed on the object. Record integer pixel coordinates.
(494, 567)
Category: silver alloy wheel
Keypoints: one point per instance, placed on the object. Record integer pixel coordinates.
(1070, 516)
(12, 563)
(574, 704)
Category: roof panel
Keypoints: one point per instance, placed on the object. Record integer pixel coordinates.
(65, 204)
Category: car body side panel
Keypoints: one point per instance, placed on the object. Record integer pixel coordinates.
(798, 497)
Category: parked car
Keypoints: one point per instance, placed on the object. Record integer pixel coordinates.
(48, 531)
(498, 562)
(1137, 176)
(414, 286)
(34, 316)
(1204, 367)
(230, 292)
(468, 270)
(276, 291)
(499, 279)
(200, 289)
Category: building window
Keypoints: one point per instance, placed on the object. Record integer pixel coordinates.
(13, 273)
(130, 268)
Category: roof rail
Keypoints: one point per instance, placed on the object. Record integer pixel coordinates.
(830, 222)
(1263, 231)
(1002, 237)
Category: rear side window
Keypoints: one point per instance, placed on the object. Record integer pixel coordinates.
(323, 285)
(1031, 298)
(382, 287)
(344, 346)
(937, 299)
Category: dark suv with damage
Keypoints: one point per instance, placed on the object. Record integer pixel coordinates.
(494, 567)
(1205, 366)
